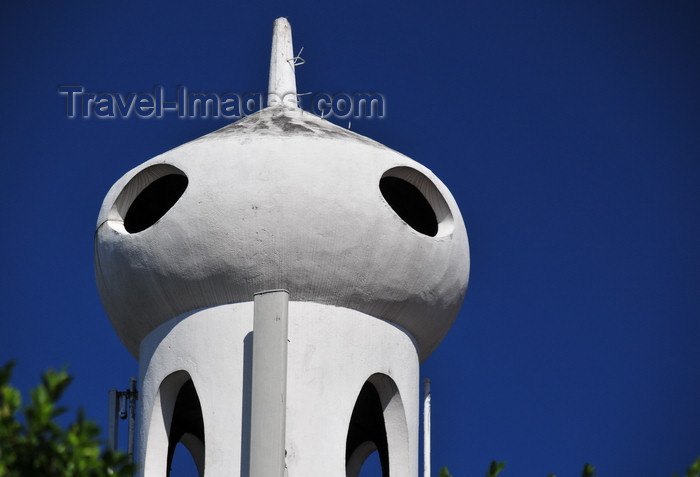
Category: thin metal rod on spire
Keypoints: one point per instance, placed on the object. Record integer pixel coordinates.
(426, 428)
(131, 396)
(122, 404)
(112, 422)
(282, 87)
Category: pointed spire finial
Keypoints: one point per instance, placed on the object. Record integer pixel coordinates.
(282, 88)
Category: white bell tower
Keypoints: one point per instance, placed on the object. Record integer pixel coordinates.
(279, 281)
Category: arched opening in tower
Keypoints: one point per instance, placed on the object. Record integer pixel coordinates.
(187, 426)
(366, 433)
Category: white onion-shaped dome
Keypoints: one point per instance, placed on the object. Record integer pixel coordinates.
(282, 199)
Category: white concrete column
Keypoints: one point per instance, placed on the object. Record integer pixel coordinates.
(269, 384)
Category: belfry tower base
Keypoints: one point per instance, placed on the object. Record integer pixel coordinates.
(352, 388)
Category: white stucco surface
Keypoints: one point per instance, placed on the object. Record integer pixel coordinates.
(208, 347)
(282, 199)
(332, 353)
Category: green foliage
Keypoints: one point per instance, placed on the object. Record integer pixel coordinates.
(38, 446)
(495, 468)
(694, 469)
(588, 470)
(444, 472)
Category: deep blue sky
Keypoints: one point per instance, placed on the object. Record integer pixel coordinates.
(569, 133)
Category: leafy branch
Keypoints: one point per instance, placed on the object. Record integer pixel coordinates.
(496, 468)
(37, 445)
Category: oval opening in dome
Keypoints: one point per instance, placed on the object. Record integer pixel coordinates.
(417, 201)
(408, 202)
(154, 202)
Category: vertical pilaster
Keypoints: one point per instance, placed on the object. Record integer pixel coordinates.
(269, 384)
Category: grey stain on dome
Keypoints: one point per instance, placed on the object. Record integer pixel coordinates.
(284, 122)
